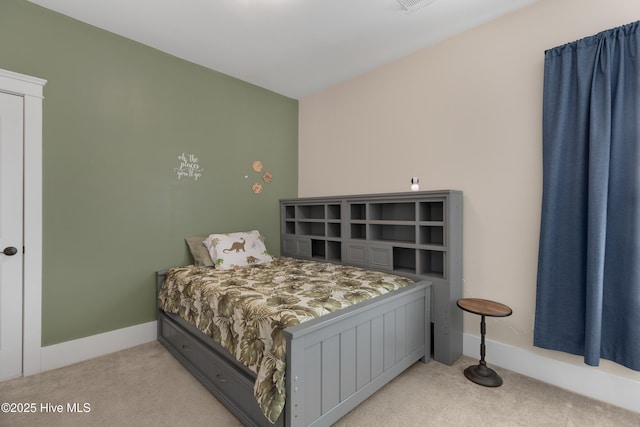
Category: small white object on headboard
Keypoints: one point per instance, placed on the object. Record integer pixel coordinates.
(415, 184)
(189, 167)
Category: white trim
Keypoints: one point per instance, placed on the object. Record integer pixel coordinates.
(21, 84)
(31, 89)
(584, 380)
(69, 352)
(32, 303)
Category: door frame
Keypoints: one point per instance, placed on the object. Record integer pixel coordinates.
(30, 88)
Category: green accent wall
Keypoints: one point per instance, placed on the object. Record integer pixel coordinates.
(117, 114)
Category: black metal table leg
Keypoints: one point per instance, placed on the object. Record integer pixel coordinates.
(481, 373)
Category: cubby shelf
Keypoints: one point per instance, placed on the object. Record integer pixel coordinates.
(417, 234)
(408, 233)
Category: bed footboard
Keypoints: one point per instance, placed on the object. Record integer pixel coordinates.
(334, 362)
(334, 365)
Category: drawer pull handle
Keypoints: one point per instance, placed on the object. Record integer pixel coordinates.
(221, 378)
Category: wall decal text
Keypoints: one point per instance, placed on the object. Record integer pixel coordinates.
(189, 167)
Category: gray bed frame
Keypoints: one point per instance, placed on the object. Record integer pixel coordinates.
(333, 363)
(337, 361)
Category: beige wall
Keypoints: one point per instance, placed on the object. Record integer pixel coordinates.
(465, 114)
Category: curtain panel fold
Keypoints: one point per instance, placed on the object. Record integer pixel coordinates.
(588, 285)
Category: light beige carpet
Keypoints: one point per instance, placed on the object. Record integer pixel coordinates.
(146, 386)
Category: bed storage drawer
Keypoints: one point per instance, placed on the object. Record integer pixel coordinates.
(209, 365)
(234, 389)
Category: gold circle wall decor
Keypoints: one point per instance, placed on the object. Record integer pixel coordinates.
(257, 188)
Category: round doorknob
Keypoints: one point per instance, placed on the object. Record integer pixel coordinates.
(10, 250)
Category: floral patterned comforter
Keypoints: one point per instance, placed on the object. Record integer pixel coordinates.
(246, 310)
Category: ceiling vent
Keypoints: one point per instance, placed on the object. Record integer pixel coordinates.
(413, 5)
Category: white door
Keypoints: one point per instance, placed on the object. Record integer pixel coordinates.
(11, 234)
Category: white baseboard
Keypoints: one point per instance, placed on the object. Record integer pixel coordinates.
(584, 380)
(69, 352)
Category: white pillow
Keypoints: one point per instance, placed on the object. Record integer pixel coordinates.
(234, 250)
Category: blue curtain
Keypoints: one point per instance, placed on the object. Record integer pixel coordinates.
(588, 289)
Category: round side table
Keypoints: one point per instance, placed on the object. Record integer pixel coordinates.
(480, 373)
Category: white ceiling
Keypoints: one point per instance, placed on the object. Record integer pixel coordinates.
(292, 47)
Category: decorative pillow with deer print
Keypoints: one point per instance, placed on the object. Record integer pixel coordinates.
(235, 250)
